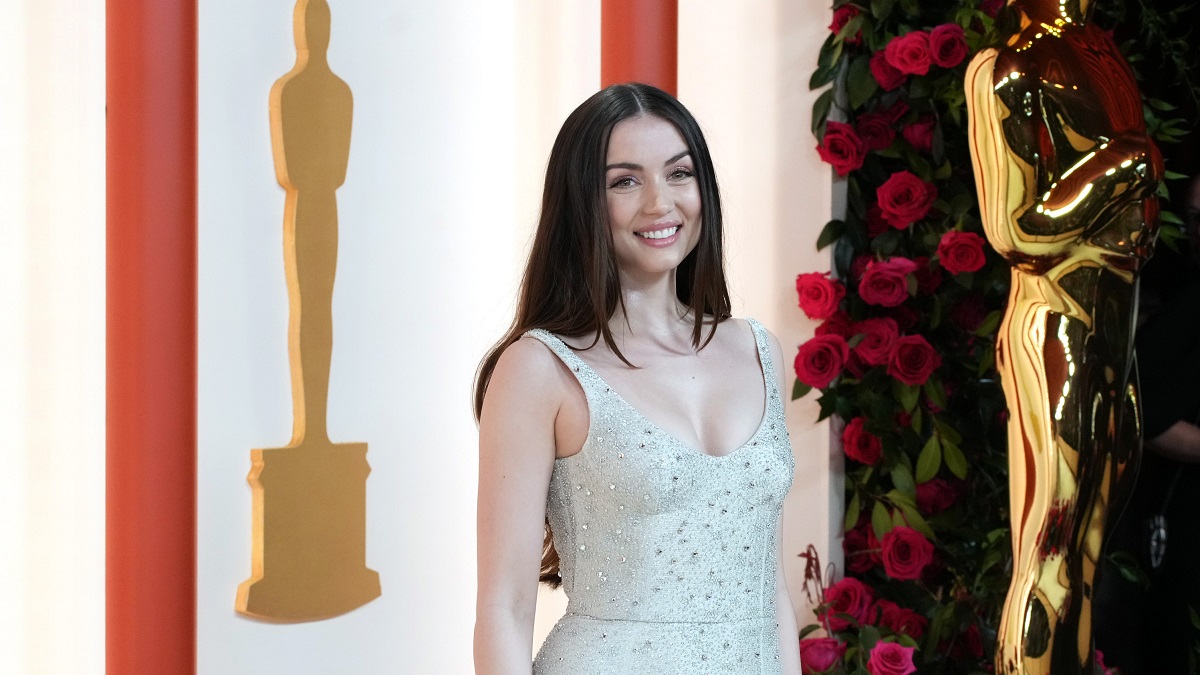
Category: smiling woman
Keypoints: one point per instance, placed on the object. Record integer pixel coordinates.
(653, 198)
(656, 509)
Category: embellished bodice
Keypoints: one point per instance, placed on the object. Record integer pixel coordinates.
(650, 529)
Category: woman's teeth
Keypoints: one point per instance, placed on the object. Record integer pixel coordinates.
(658, 234)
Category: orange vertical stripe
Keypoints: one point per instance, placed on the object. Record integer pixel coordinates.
(151, 337)
(639, 42)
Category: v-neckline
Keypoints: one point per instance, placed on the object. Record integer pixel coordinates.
(760, 355)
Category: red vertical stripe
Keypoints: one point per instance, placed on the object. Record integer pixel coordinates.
(638, 42)
(151, 334)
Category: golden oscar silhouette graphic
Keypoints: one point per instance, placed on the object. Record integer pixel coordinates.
(309, 498)
(1066, 177)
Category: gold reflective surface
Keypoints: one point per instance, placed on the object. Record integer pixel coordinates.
(1066, 177)
(309, 498)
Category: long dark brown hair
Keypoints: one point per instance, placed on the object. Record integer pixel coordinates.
(570, 286)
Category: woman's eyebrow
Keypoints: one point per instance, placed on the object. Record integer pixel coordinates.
(638, 167)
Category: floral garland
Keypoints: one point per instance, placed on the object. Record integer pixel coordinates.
(904, 354)
(905, 351)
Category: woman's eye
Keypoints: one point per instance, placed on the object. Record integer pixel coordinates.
(624, 181)
(681, 173)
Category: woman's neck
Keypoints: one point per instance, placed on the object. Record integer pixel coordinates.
(652, 310)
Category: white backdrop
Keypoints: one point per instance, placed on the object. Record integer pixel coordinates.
(456, 105)
(52, 337)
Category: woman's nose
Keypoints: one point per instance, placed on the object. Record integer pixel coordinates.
(657, 197)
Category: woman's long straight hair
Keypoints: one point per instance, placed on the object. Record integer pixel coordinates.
(570, 286)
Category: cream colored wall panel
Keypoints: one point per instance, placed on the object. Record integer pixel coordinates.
(52, 337)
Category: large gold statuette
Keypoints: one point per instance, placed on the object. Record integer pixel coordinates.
(1066, 177)
(309, 498)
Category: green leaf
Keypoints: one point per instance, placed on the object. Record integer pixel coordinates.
(821, 112)
(955, 460)
(1168, 217)
(832, 231)
(902, 478)
(906, 394)
(898, 519)
(1195, 617)
(934, 392)
(1174, 175)
(821, 77)
(946, 431)
(990, 323)
(917, 522)
(930, 459)
(853, 511)
(860, 85)
(881, 8)
(868, 637)
(800, 389)
(809, 630)
(851, 28)
(881, 520)
(825, 59)
(1129, 568)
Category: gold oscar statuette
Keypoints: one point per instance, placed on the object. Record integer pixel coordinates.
(1066, 177)
(309, 498)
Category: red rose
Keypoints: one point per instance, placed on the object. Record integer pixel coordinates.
(970, 642)
(919, 134)
(887, 76)
(905, 199)
(879, 339)
(891, 658)
(876, 224)
(821, 359)
(841, 17)
(913, 361)
(929, 279)
(861, 554)
(876, 130)
(961, 252)
(820, 654)
(848, 596)
(969, 312)
(859, 444)
(947, 45)
(909, 53)
(992, 7)
(858, 266)
(819, 295)
(935, 496)
(901, 620)
(885, 282)
(905, 553)
(842, 148)
(904, 316)
(896, 111)
(838, 324)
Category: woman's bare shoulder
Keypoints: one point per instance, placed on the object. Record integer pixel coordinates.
(529, 371)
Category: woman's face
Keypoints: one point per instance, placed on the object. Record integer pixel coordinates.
(653, 197)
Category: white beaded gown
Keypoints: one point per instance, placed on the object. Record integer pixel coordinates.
(667, 554)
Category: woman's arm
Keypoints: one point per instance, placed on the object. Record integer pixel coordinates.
(1180, 442)
(785, 614)
(516, 458)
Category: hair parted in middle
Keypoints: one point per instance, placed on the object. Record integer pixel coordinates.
(571, 286)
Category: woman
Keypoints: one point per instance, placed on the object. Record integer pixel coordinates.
(632, 442)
